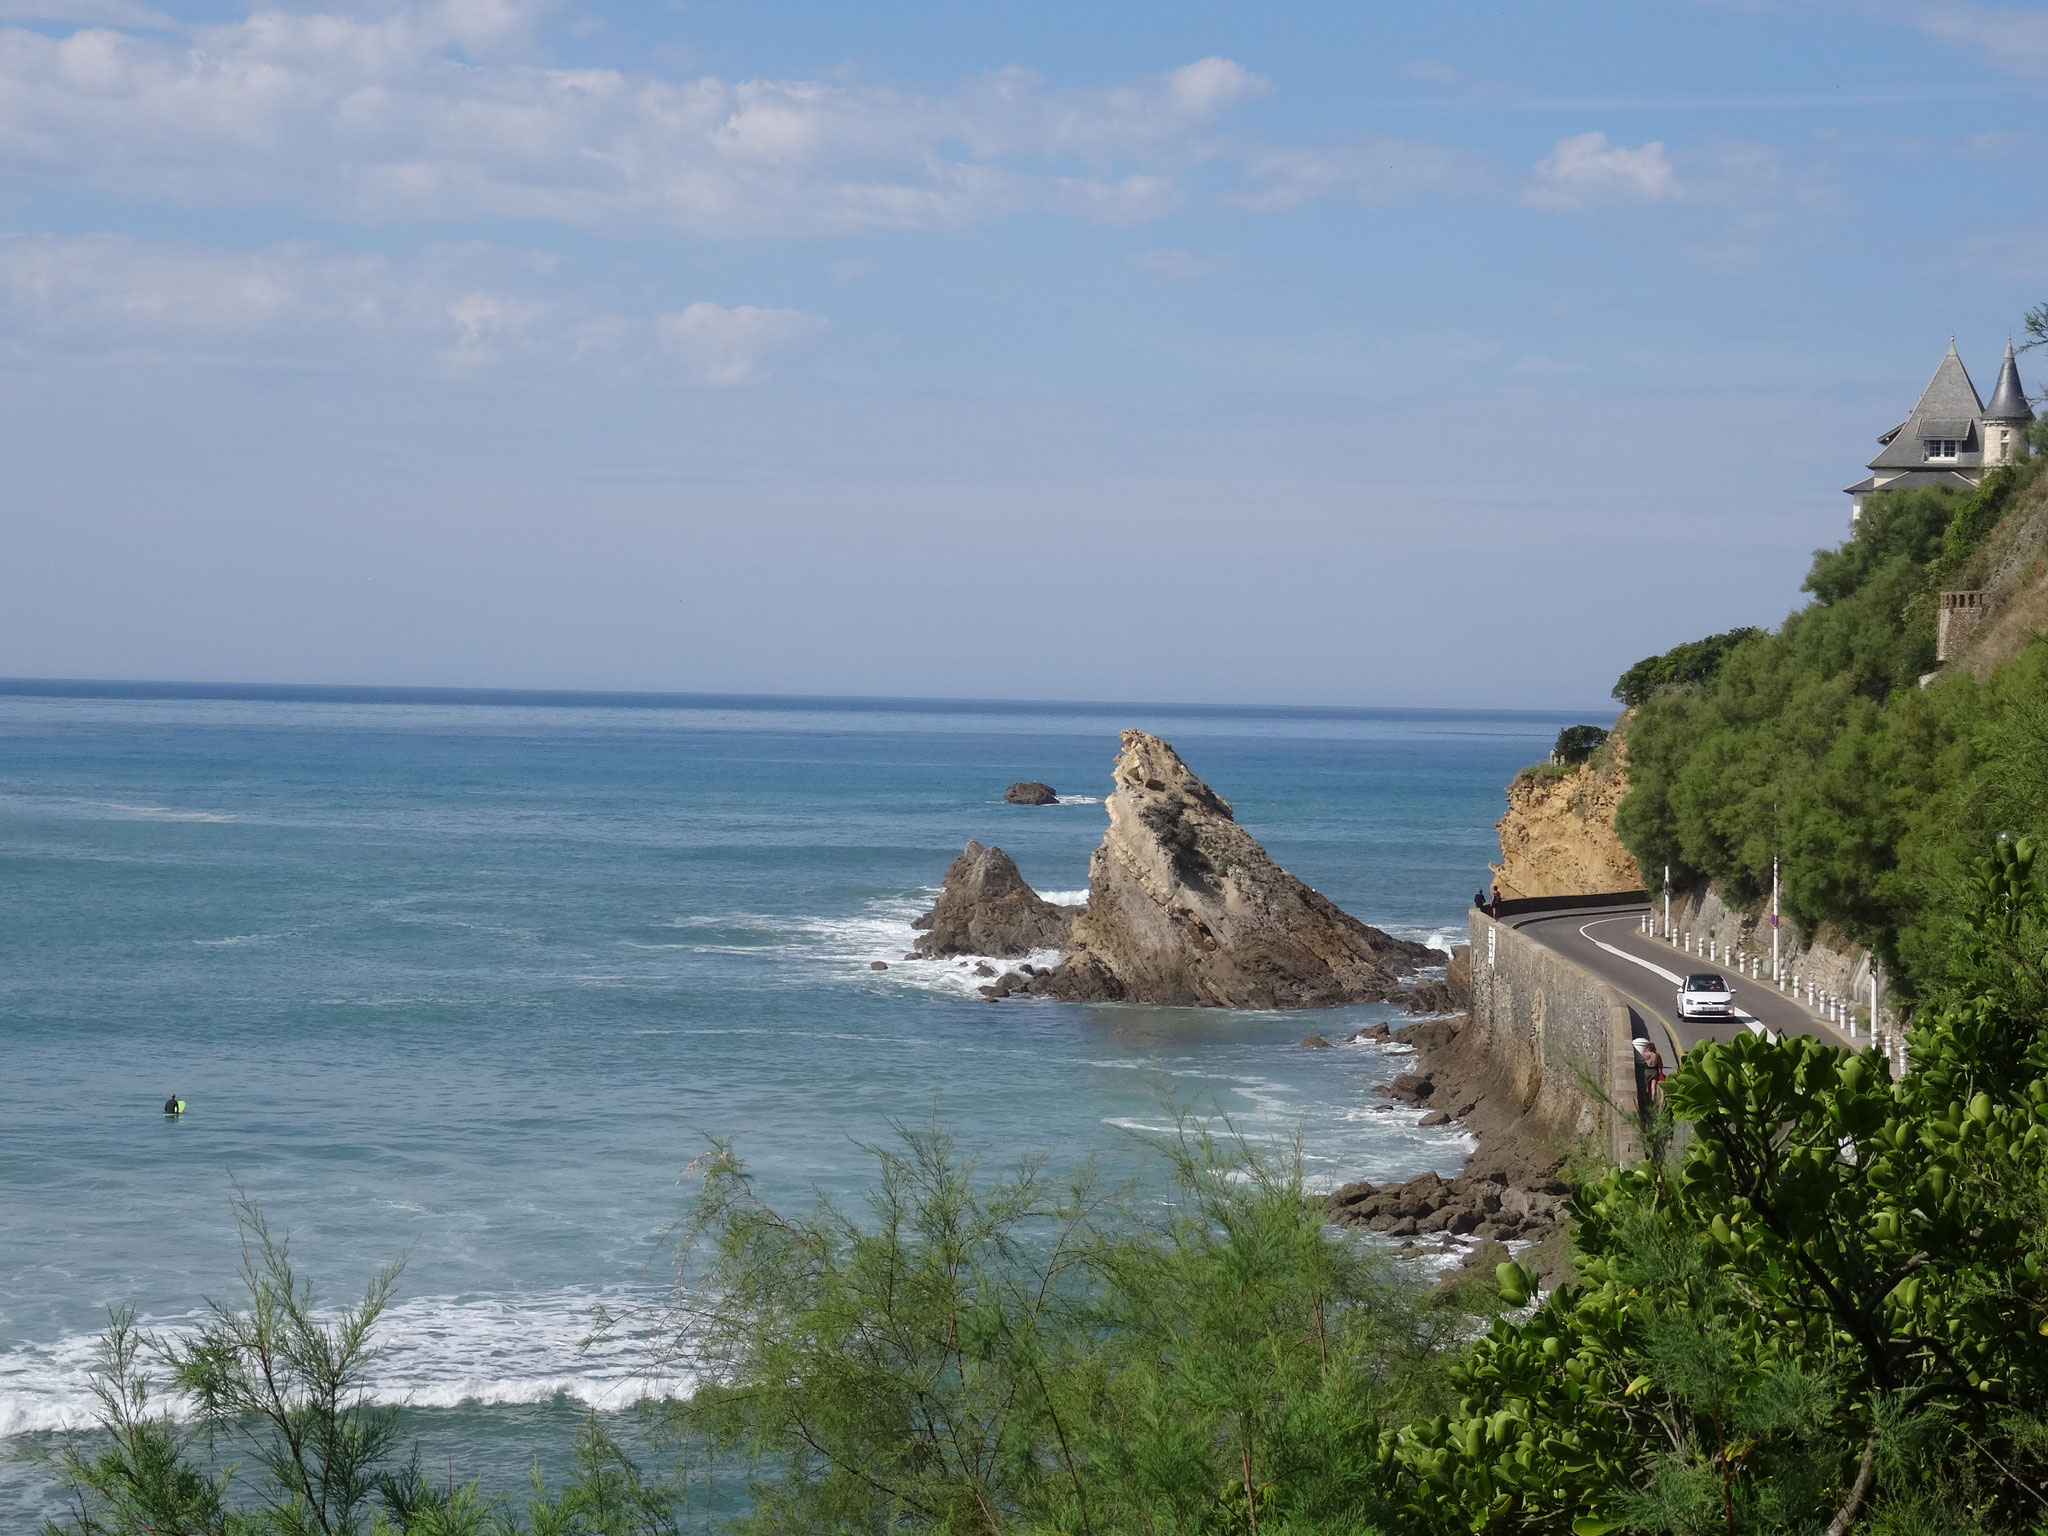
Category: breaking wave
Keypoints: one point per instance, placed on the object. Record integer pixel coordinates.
(438, 1352)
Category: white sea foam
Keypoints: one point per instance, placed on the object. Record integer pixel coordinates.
(1078, 799)
(1437, 936)
(1067, 898)
(849, 946)
(157, 812)
(439, 1351)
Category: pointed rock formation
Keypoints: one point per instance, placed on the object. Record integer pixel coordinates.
(987, 909)
(1184, 907)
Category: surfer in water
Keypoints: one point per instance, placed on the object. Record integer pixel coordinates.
(174, 1106)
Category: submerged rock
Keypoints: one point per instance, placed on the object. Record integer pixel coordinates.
(987, 908)
(1185, 907)
(1031, 792)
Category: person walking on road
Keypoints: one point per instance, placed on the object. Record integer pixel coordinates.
(1649, 1080)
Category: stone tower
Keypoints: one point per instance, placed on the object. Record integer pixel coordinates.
(2008, 416)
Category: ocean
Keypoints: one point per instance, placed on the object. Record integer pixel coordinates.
(471, 976)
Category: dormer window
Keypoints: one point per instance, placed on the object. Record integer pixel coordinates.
(1941, 447)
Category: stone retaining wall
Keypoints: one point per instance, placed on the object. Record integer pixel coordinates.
(1555, 1036)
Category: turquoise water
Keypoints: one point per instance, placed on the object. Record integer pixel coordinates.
(471, 974)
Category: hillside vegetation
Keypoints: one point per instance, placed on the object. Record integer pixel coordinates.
(1826, 1312)
(1819, 744)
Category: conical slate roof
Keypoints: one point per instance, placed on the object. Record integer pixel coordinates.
(2009, 400)
(1949, 408)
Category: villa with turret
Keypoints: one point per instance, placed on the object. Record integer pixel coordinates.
(1952, 437)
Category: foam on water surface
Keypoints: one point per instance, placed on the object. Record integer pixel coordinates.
(479, 980)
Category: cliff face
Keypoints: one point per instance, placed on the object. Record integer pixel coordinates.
(1557, 838)
(2014, 580)
(1185, 907)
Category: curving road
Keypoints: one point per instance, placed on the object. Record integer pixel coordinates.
(1647, 972)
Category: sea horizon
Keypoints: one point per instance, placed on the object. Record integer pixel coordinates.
(635, 698)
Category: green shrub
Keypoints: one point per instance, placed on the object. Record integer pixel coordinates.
(1683, 665)
(1576, 743)
(1831, 1303)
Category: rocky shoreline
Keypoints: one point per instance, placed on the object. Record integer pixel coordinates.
(1512, 1188)
(1186, 908)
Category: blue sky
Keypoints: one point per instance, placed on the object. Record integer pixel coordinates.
(1347, 354)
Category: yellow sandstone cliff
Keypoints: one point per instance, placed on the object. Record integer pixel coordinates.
(1557, 838)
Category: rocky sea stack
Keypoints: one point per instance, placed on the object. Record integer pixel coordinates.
(1031, 792)
(1185, 908)
(987, 908)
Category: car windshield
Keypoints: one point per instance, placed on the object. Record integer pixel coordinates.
(1705, 984)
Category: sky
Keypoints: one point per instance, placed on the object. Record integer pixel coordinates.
(1349, 353)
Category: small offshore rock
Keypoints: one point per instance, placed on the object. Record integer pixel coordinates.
(1031, 792)
(878, 965)
(1435, 1117)
(986, 908)
(1315, 1043)
(982, 968)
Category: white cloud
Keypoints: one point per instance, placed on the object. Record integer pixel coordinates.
(1132, 200)
(2011, 39)
(460, 308)
(1210, 85)
(1379, 170)
(111, 13)
(732, 346)
(433, 112)
(1586, 169)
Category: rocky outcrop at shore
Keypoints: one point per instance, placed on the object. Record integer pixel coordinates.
(1558, 838)
(1185, 908)
(1511, 1189)
(1031, 792)
(1487, 1205)
(986, 908)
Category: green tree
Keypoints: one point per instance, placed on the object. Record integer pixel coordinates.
(1022, 1353)
(287, 1384)
(1831, 1303)
(1576, 743)
(1817, 745)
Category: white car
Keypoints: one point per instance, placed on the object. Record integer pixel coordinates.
(1705, 996)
